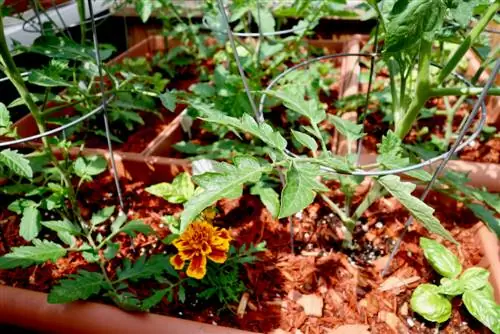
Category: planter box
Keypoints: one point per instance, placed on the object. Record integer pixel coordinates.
(26, 126)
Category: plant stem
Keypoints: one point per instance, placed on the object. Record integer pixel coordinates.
(81, 12)
(375, 193)
(449, 118)
(468, 41)
(338, 211)
(458, 91)
(12, 72)
(422, 90)
(318, 133)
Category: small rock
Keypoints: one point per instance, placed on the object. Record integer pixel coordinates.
(312, 304)
(379, 225)
(364, 228)
(410, 322)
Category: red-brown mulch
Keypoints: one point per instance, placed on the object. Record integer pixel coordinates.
(348, 281)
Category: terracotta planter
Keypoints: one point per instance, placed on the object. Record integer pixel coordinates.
(30, 310)
(26, 126)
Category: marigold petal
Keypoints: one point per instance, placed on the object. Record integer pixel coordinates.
(218, 255)
(197, 267)
(224, 234)
(205, 248)
(188, 253)
(177, 262)
(181, 243)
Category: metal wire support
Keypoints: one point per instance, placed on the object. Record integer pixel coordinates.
(359, 172)
(443, 163)
(259, 117)
(104, 102)
(293, 30)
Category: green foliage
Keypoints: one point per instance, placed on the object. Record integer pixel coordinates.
(26, 256)
(86, 167)
(421, 211)
(293, 99)
(433, 302)
(225, 182)
(179, 191)
(80, 286)
(30, 223)
(347, 128)
(268, 196)
(16, 163)
(305, 139)
(142, 268)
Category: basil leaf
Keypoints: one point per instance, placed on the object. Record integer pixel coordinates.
(481, 305)
(474, 278)
(451, 287)
(432, 306)
(440, 258)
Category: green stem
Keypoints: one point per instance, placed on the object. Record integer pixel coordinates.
(12, 72)
(464, 91)
(467, 43)
(318, 133)
(449, 118)
(375, 193)
(81, 12)
(391, 64)
(335, 208)
(422, 90)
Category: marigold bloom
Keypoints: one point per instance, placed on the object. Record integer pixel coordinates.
(201, 240)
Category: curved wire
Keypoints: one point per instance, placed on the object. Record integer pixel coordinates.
(56, 130)
(406, 169)
(24, 74)
(36, 29)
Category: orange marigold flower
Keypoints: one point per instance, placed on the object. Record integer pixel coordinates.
(201, 240)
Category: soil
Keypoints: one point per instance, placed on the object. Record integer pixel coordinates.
(348, 282)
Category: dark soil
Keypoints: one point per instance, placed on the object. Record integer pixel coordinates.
(348, 282)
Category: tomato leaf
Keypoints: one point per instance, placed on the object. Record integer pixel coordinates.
(77, 287)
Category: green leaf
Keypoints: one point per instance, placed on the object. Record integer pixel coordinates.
(181, 294)
(348, 129)
(305, 140)
(300, 188)
(85, 167)
(30, 223)
(16, 162)
(441, 258)
(102, 215)
(5, 121)
(268, 196)
(168, 100)
(262, 131)
(67, 238)
(179, 191)
(481, 305)
(451, 287)
(19, 205)
(421, 211)
(77, 287)
(41, 78)
(91, 256)
(410, 21)
(118, 222)
(144, 8)
(62, 226)
(154, 299)
(427, 302)
(136, 226)
(474, 278)
(226, 182)
(293, 99)
(142, 268)
(487, 216)
(111, 251)
(264, 19)
(26, 256)
(170, 238)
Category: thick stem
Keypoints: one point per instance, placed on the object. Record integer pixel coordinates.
(12, 72)
(467, 43)
(81, 12)
(450, 114)
(422, 90)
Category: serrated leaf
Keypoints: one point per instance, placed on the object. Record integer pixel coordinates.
(427, 302)
(102, 215)
(181, 294)
(441, 258)
(487, 216)
(305, 140)
(481, 305)
(118, 222)
(144, 8)
(5, 121)
(136, 226)
(154, 299)
(16, 162)
(268, 196)
(62, 226)
(26, 256)
(348, 129)
(142, 268)
(30, 223)
(168, 100)
(77, 287)
(67, 238)
(264, 19)
(41, 78)
(111, 250)
(86, 167)
(227, 182)
(293, 99)
(179, 191)
(262, 131)
(421, 211)
(300, 188)
(474, 278)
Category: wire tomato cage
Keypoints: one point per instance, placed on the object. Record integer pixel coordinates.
(443, 159)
